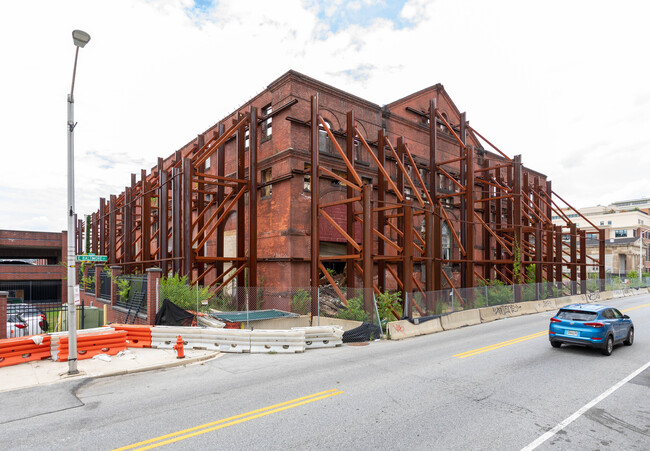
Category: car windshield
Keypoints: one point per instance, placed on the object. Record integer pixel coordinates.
(576, 315)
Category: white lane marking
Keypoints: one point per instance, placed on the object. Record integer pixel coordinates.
(583, 409)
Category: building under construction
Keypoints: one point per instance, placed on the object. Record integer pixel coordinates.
(306, 182)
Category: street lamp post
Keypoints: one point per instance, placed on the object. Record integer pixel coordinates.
(80, 39)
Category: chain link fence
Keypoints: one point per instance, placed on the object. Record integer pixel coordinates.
(366, 305)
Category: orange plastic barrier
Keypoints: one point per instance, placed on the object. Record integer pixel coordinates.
(23, 349)
(90, 345)
(137, 336)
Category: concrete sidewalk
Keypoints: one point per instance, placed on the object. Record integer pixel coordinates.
(132, 360)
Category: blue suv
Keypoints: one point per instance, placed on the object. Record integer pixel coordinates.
(594, 325)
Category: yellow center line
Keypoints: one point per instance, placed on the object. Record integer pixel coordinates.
(634, 308)
(462, 355)
(230, 421)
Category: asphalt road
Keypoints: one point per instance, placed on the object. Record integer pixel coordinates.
(497, 385)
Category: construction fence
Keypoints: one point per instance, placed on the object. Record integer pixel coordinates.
(367, 305)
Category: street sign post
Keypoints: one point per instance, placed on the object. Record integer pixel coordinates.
(92, 258)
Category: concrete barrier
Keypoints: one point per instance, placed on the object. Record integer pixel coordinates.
(398, 330)
(322, 336)
(460, 319)
(164, 337)
(545, 305)
(606, 295)
(277, 341)
(493, 313)
(230, 340)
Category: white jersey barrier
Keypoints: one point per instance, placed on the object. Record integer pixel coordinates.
(277, 341)
(322, 336)
(164, 337)
(230, 340)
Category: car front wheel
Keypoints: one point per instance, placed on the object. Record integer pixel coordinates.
(630, 337)
(609, 346)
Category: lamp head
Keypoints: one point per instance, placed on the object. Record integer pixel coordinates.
(80, 38)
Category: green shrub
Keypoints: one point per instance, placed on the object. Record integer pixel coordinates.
(301, 302)
(177, 290)
(386, 303)
(354, 310)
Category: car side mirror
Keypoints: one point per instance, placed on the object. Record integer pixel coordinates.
(626, 317)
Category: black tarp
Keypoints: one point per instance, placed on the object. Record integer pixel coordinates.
(365, 332)
(172, 315)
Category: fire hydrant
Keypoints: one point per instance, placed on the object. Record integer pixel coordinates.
(179, 348)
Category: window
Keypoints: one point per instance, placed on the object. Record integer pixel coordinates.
(446, 242)
(608, 314)
(306, 184)
(266, 181)
(576, 315)
(324, 141)
(247, 139)
(592, 236)
(357, 154)
(620, 233)
(609, 222)
(366, 180)
(207, 163)
(602, 222)
(341, 174)
(267, 125)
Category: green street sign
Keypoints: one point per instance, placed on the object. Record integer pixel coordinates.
(92, 258)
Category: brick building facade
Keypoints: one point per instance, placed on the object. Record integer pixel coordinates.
(207, 230)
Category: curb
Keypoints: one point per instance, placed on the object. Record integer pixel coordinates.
(179, 362)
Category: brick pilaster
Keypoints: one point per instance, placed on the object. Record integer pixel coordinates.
(115, 271)
(3, 314)
(153, 279)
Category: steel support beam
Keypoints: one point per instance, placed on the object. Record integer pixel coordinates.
(221, 172)
(200, 206)
(469, 215)
(176, 220)
(583, 262)
(381, 214)
(601, 258)
(407, 259)
(366, 200)
(349, 216)
(241, 218)
(102, 226)
(558, 256)
(145, 220)
(163, 217)
(573, 250)
(186, 211)
(112, 230)
(252, 198)
(315, 198)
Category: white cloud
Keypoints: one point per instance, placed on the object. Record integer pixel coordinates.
(552, 82)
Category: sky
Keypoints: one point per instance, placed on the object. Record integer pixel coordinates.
(566, 83)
